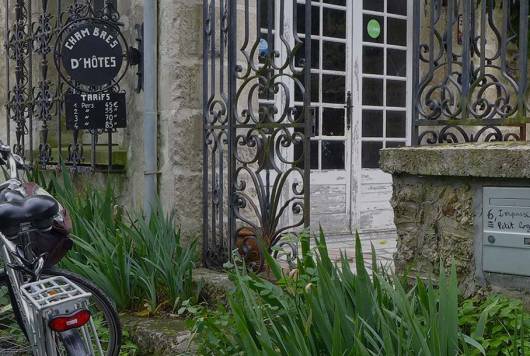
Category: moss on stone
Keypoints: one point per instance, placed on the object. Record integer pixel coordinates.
(493, 160)
(159, 336)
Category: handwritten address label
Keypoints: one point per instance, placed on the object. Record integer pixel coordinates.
(105, 111)
(508, 219)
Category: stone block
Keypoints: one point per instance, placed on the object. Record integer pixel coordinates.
(188, 203)
(491, 160)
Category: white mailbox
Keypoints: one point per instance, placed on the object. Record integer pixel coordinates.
(506, 230)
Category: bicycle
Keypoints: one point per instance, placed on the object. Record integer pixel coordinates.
(59, 312)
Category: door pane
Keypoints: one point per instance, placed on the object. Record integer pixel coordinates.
(373, 29)
(300, 20)
(333, 122)
(373, 60)
(370, 154)
(334, 23)
(99, 4)
(395, 144)
(333, 88)
(397, 32)
(396, 124)
(298, 154)
(372, 123)
(396, 62)
(398, 7)
(335, 2)
(315, 50)
(315, 87)
(374, 5)
(334, 56)
(372, 92)
(396, 93)
(333, 154)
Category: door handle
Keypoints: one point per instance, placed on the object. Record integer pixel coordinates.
(349, 109)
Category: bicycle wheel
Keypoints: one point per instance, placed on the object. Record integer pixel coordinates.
(105, 319)
(13, 340)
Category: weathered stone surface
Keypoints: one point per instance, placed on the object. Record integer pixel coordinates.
(180, 108)
(492, 160)
(434, 220)
(160, 336)
(437, 202)
(155, 336)
(215, 285)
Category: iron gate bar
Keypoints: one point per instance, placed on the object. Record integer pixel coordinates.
(232, 112)
(233, 127)
(454, 89)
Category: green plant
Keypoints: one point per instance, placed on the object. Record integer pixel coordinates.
(128, 347)
(139, 261)
(164, 263)
(325, 309)
(498, 323)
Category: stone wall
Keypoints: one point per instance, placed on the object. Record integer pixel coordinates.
(437, 201)
(434, 220)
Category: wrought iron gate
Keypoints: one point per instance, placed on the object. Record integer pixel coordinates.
(35, 91)
(257, 125)
(470, 69)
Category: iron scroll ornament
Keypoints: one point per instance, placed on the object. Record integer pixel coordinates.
(123, 62)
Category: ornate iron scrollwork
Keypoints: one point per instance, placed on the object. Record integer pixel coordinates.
(472, 69)
(19, 48)
(256, 136)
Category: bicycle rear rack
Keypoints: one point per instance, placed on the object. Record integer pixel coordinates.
(48, 298)
(54, 293)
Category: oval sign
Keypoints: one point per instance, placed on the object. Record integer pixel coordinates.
(374, 28)
(92, 54)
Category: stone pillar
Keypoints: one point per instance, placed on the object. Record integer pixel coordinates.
(438, 207)
(180, 107)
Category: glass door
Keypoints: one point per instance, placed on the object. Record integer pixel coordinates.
(383, 47)
(331, 139)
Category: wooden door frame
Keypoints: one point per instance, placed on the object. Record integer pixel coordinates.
(356, 85)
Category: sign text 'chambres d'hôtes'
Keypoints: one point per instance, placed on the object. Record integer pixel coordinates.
(92, 54)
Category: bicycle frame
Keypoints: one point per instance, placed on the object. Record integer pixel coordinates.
(25, 280)
(34, 328)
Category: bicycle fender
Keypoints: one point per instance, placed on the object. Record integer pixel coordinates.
(73, 343)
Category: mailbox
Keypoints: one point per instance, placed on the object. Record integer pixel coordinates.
(506, 230)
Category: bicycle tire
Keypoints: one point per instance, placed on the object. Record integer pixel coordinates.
(103, 301)
(4, 282)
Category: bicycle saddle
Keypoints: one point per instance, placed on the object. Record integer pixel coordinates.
(18, 213)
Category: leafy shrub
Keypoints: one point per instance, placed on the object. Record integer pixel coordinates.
(498, 323)
(138, 261)
(325, 309)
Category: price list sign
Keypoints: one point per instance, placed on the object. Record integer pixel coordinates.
(106, 111)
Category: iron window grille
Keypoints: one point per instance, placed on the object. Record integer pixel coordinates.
(470, 71)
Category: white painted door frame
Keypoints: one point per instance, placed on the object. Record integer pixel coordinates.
(361, 177)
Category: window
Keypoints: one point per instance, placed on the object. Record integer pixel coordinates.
(328, 62)
(384, 83)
